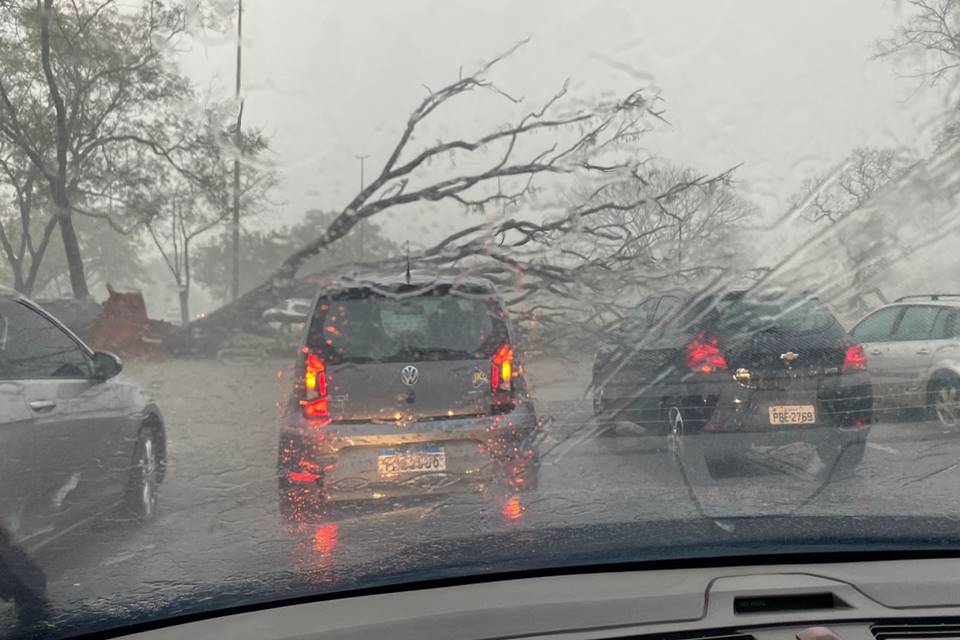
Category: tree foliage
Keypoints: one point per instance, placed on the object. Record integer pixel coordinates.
(833, 198)
(83, 84)
(931, 35)
(264, 252)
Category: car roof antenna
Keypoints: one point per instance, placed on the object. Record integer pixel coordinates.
(408, 262)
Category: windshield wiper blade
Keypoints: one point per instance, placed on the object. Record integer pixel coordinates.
(438, 351)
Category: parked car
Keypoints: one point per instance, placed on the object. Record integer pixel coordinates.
(77, 440)
(290, 311)
(406, 386)
(719, 374)
(913, 351)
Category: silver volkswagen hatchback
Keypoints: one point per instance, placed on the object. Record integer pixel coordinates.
(406, 386)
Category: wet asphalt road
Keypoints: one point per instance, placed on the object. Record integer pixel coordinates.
(219, 523)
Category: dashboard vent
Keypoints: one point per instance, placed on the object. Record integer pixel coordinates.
(919, 630)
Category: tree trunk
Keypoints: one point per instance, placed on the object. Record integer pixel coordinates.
(37, 256)
(16, 265)
(71, 250)
(185, 286)
(18, 283)
(71, 246)
(184, 293)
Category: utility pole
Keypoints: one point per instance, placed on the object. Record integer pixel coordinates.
(238, 139)
(361, 158)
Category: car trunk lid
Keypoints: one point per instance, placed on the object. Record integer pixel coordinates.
(781, 345)
(410, 389)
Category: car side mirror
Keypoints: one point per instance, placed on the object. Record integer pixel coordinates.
(105, 365)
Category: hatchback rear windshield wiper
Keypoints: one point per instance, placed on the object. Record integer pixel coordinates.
(438, 353)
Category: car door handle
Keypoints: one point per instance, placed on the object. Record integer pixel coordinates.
(923, 352)
(43, 405)
(876, 352)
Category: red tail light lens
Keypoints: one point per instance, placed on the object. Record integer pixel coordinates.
(704, 355)
(315, 404)
(856, 359)
(501, 369)
(303, 477)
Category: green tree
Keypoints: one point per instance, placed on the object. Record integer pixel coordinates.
(109, 257)
(179, 207)
(26, 228)
(264, 252)
(81, 83)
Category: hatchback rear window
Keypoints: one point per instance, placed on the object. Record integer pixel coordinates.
(789, 316)
(369, 327)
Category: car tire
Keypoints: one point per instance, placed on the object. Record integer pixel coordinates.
(944, 400)
(145, 474)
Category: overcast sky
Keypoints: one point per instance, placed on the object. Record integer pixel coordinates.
(787, 88)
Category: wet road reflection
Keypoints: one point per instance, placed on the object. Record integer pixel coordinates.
(220, 524)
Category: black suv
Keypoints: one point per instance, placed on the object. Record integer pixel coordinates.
(720, 373)
(406, 386)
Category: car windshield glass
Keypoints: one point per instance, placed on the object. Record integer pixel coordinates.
(306, 299)
(795, 316)
(432, 327)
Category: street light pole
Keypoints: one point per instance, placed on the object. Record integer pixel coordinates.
(235, 282)
(361, 158)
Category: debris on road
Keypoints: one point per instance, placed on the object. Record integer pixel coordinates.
(125, 329)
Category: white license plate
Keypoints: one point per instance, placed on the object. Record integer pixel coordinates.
(394, 462)
(793, 414)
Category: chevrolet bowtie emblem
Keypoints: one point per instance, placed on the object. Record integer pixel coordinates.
(789, 356)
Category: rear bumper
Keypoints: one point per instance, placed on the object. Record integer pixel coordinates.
(732, 444)
(340, 460)
(717, 403)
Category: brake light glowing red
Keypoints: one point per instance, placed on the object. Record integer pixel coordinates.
(303, 477)
(856, 359)
(316, 408)
(501, 369)
(314, 402)
(704, 355)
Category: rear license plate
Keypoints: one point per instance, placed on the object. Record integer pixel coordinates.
(393, 462)
(793, 414)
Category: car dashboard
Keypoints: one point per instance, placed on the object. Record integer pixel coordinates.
(870, 600)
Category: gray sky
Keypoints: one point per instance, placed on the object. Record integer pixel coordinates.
(787, 88)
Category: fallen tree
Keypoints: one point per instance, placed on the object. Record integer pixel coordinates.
(548, 250)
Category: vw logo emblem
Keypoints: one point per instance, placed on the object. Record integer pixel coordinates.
(409, 375)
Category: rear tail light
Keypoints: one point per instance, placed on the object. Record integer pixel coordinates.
(501, 369)
(704, 355)
(314, 402)
(303, 477)
(502, 373)
(856, 359)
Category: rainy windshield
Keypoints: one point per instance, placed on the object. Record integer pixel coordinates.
(369, 328)
(785, 314)
(309, 297)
